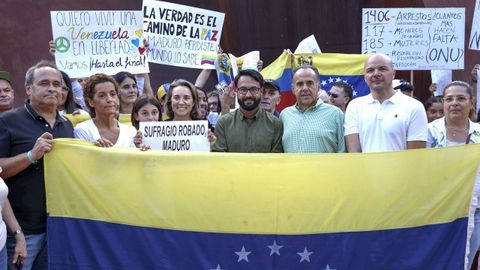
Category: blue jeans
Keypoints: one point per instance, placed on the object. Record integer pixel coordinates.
(475, 239)
(37, 252)
(3, 258)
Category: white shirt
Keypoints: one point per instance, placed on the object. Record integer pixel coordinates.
(87, 131)
(386, 126)
(3, 199)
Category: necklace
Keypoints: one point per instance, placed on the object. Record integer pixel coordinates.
(455, 131)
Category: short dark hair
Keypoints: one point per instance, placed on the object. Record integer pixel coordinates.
(88, 89)
(346, 87)
(405, 86)
(30, 72)
(431, 100)
(142, 101)
(250, 73)
(468, 87)
(194, 114)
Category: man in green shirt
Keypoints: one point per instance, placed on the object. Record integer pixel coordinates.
(311, 126)
(249, 129)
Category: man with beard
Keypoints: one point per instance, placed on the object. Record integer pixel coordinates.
(249, 129)
(311, 125)
(271, 97)
(6, 92)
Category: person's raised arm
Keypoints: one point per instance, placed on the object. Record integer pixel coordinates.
(202, 78)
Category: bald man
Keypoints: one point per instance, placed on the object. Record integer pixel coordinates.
(384, 120)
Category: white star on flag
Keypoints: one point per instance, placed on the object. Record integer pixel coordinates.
(338, 79)
(330, 80)
(324, 82)
(328, 268)
(275, 249)
(305, 255)
(354, 93)
(218, 268)
(242, 254)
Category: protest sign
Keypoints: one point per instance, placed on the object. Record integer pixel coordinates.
(474, 42)
(101, 41)
(441, 78)
(176, 135)
(478, 90)
(180, 35)
(308, 45)
(416, 38)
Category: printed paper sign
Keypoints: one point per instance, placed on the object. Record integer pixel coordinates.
(441, 78)
(180, 35)
(176, 135)
(416, 38)
(308, 45)
(474, 42)
(89, 42)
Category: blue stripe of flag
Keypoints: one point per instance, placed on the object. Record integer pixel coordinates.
(75, 244)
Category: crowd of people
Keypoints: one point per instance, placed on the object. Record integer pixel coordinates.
(387, 119)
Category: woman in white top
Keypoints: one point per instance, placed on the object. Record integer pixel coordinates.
(8, 220)
(455, 128)
(104, 130)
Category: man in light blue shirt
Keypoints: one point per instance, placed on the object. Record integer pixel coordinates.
(311, 126)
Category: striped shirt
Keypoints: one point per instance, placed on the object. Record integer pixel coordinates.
(319, 129)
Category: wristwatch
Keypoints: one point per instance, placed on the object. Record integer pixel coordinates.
(16, 232)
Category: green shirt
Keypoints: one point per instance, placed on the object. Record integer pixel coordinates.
(319, 129)
(261, 134)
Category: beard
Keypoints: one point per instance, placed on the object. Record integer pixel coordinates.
(249, 107)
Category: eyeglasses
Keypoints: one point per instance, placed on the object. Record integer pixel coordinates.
(252, 90)
(333, 95)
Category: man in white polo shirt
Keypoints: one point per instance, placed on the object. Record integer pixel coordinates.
(384, 120)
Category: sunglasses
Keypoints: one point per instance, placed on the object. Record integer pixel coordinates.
(333, 95)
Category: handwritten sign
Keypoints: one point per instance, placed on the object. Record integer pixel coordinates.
(176, 135)
(416, 38)
(474, 42)
(89, 42)
(180, 35)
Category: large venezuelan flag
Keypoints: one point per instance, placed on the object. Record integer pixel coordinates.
(125, 209)
(332, 67)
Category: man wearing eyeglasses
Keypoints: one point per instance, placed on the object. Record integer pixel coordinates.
(6, 92)
(340, 94)
(311, 126)
(249, 129)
